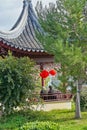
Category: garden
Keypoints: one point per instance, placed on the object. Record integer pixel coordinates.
(66, 27)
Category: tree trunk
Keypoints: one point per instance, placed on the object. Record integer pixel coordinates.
(78, 111)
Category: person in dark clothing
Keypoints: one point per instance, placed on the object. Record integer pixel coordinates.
(50, 91)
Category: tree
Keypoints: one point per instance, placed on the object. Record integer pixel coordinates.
(66, 29)
(16, 82)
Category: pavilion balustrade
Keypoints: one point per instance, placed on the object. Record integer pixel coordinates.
(56, 97)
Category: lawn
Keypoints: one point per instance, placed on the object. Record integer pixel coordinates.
(64, 118)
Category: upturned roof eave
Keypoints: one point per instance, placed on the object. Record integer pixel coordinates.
(19, 26)
(22, 35)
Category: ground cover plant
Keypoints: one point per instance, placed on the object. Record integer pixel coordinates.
(48, 125)
(64, 119)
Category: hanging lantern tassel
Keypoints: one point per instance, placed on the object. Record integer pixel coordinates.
(52, 72)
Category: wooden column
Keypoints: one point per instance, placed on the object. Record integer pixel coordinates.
(42, 79)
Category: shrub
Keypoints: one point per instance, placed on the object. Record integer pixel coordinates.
(16, 81)
(83, 99)
(40, 126)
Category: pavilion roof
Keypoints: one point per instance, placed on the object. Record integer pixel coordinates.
(22, 35)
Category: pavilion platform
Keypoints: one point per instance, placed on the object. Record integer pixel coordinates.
(54, 102)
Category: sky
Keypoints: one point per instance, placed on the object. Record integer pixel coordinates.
(11, 9)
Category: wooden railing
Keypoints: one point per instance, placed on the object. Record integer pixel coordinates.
(56, 97)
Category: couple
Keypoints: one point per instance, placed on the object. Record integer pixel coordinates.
(50, 91)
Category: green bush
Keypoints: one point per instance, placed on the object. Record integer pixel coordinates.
(40, 126)
(16, 81)
(83, 99)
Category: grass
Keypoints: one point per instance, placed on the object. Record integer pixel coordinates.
(65, 119)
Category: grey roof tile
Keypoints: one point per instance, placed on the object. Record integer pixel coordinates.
(22, 35)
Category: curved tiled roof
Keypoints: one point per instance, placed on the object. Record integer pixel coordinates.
(22, 35)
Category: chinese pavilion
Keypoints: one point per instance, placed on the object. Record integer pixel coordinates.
(21, 40)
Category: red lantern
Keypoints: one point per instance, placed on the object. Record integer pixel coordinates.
(52, 72)
(44, 74)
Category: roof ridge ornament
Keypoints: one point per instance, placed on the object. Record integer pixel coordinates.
(27, 1)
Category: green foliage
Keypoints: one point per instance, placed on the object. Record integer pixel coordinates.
(65, 37)
(83, 99)
(16, 81)
(40, 126)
